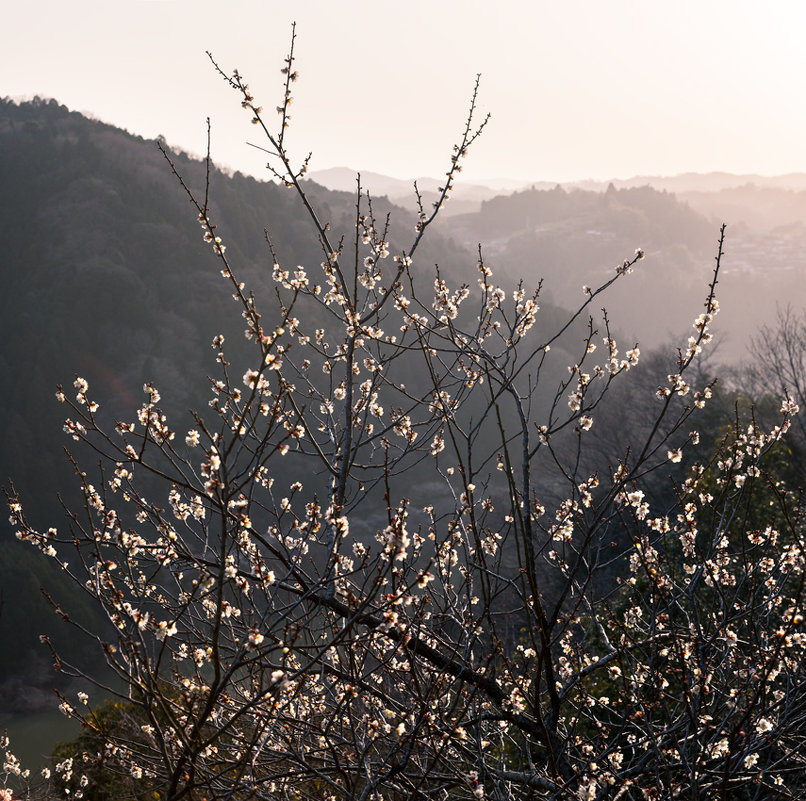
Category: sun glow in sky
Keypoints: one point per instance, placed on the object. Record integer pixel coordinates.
(579, 89)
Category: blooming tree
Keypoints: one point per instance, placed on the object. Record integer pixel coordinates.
(379, 564)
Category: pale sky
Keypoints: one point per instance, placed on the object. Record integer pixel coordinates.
(577, 89)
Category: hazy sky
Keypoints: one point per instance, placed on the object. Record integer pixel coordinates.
(577, 89)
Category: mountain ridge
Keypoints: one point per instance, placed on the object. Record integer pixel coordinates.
(343, 179)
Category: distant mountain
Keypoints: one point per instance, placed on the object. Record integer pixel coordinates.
(700, 182)
(571, 237)
(574, 234)
(464, 198)
(343, 179)
(758, 208)
(574, 237)
(696, 188)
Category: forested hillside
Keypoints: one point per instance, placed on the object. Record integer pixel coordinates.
(105, 275)
(565, 235)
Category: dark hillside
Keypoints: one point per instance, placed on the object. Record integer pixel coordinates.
(105, 275)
